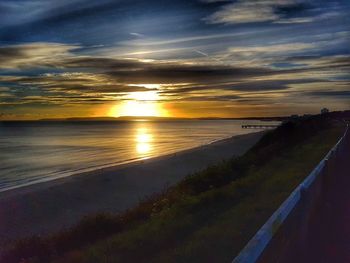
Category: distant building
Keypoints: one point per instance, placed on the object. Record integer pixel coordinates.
(324, 111)
(305, 116)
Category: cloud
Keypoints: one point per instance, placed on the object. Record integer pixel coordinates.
(72, 83)
(344, 94)
(248, 87)
(30, 11)
(275, 48)
(249, 11)
(243, 12)
(4, 89)
(295, 20)
(333, 66)
(39, 54)
(224, 52)
(136, 34)
(53, 56)
(59, 75)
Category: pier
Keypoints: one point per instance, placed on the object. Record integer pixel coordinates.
(258, 126)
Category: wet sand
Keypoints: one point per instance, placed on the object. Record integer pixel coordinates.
(50, 206)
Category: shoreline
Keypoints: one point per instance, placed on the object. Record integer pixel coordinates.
(105, 168)
(46, 207)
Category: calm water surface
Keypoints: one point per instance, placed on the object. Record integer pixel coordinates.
(31, 152)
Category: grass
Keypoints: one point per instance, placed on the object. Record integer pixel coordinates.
(208, 217)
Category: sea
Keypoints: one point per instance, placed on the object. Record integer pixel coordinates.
(39, 151)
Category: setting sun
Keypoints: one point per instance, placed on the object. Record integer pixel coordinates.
(140, 104)
(138, 109)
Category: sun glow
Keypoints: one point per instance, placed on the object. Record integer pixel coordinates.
(144, 95)
(140, 104)
(143, 140)
(137, 109)
(147, 86)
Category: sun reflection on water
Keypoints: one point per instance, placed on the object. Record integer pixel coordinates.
(143, 140)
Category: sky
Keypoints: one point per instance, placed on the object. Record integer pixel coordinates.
(186, 58)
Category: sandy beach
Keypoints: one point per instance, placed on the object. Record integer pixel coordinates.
(50, 206)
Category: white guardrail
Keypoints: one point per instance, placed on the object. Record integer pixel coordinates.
(256, 246)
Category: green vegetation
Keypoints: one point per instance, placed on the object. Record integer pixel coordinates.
(208, 217)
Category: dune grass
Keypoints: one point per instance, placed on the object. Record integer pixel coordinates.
(207, 217)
